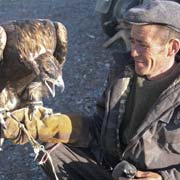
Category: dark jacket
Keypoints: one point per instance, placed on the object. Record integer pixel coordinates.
(156, 146)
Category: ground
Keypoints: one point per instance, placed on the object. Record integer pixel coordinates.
(85, 70)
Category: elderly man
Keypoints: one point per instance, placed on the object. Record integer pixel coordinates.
(135, 133)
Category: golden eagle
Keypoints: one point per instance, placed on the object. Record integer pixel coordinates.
(32, 54)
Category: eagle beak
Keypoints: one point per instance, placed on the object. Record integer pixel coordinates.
(60, 83)
(51, 86)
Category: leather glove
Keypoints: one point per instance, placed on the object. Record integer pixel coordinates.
(52, 128)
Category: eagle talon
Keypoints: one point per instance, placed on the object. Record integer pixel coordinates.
(34, 106)
(47, 112)
(33, 112)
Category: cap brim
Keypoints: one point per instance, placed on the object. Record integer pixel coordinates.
(144, 23)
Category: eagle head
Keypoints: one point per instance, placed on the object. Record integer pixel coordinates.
(50, 72)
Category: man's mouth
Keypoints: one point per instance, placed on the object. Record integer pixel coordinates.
(138, 61)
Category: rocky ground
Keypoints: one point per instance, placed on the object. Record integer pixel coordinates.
(85, 70)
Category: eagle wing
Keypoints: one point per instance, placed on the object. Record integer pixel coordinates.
(27, 40)
(62, 42)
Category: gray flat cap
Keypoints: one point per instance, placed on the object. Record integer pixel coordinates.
(155, 12)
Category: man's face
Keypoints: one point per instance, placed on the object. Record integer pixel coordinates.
(148, 51)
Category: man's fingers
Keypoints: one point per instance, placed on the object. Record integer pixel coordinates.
(148, 175)
(142, 173)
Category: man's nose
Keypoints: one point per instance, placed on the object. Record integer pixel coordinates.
(134, 51)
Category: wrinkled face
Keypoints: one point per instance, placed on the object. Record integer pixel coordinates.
(148, 51)
(51, 73)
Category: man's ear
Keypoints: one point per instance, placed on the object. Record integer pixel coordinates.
(174, 46)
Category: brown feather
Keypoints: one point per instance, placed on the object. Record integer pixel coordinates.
(34, 48)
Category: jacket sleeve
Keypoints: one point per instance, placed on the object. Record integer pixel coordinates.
(116, 68)
(171, 173)
(65, 128)
(161, 144)
(171, 137)
(97, 119)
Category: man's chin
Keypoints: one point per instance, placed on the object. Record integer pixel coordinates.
(140, 72)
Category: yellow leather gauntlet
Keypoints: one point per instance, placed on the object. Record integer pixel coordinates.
(47, 127)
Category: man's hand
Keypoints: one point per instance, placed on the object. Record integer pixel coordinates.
(148, 175)
(140, 175)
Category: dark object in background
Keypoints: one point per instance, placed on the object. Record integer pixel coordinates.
(124, 169)
(112, 13)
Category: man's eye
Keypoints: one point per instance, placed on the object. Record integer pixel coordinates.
(143, 45)
(132, 41)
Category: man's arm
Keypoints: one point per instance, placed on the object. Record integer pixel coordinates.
(171, 173)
